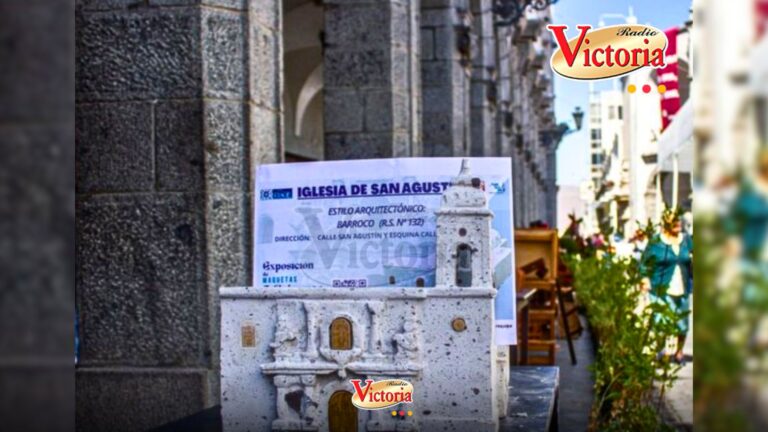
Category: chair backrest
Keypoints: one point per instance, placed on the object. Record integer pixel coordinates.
(519, 278)
(536, 254)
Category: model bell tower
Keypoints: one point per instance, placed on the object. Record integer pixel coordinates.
(463, 234)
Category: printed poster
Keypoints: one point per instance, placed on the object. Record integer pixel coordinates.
(371, 223)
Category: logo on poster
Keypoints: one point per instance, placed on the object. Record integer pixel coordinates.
(276, 194)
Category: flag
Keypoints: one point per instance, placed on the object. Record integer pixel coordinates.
(668, 76)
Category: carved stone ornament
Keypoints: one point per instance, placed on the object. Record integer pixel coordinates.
(285, 342)
(407, 341)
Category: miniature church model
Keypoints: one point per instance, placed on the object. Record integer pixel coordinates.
(288, 354)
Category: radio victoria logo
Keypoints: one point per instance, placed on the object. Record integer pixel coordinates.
(374, 395)
(607, 52)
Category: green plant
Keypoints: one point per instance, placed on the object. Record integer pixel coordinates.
(723, 325)
(629, 337)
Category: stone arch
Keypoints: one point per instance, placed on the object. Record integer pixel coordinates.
(312, 87)
(303, 134)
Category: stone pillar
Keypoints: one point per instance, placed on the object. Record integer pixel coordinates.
(446, 48)
(374, 337)
(372, 79)
(530, 194)
(518, 170)
(541, 198)
(311, 310)
(287, 417)
(484, 93)
(176, 102)
(36, 260)
(517, 96)
(551, 183)
(504, 118)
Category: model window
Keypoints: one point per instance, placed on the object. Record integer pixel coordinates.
(341, 334)
(464, 266)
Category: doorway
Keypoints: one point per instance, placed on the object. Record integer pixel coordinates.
(342, 415)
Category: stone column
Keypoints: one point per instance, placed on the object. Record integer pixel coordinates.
(175, 102)
(446, 48)
(288, 418)
(518, 167)
(311, 319)
(374, 337)
(36, 260)
(504, 118)
(517, 90)
(484, 93)
(530, 207)
(551, 182)
(541, 198)
(371, 74)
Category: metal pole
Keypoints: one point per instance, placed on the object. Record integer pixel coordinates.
(659, 197)
(675, 179)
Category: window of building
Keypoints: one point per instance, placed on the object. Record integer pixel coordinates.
(621, 112)
(611, 112)
(594, 110)
(341, 334)
(597, 159)
(595, 133)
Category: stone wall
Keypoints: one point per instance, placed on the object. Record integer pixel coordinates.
(372, 90)
(36, 183)
(176, 101)
(446, 46)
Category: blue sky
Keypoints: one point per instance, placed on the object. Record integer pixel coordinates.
(573, 154)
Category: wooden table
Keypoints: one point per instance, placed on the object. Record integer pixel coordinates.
(523, 300)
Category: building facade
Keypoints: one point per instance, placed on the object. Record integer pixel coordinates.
(609, 165)
(178, 101)
(637, 167)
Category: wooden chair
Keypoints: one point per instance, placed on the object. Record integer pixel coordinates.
(569, 310)
(536, 254)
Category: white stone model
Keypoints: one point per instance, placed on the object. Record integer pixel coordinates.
(280, 370)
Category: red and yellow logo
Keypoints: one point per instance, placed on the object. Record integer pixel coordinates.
(381, 394)
(607, 52)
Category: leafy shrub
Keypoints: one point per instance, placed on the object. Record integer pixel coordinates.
(628, 338)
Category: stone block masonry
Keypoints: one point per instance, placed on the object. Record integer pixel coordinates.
(36, 259)
(371, 78)
(176, 102)
(445, 75)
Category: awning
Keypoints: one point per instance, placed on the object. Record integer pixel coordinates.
(678, 139)
(759, 68)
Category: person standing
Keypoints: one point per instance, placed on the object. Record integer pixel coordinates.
(668, 263)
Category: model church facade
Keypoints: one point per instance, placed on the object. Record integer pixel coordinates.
(288, 354)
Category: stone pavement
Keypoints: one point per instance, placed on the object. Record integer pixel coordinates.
(576, 382)
(678, 400)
